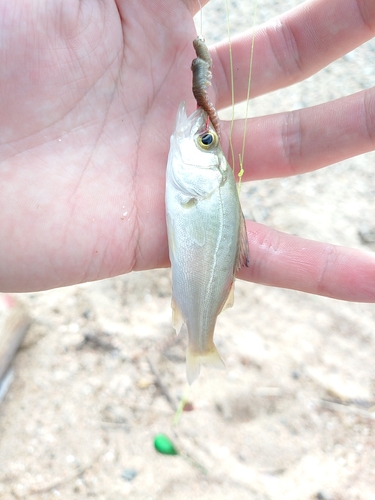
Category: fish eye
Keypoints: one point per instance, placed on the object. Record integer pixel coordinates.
(207, 140)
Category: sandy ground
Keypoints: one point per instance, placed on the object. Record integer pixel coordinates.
(292, 417)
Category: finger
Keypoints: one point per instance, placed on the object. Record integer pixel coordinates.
(285, 261)
(307, 139)
(292, 47)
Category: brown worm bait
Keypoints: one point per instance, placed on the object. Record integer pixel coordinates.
(201, 68)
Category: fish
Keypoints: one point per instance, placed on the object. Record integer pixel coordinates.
(206, 234)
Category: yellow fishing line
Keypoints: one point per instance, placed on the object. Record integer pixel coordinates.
(231, 83)
(185, 398)
(242, 155)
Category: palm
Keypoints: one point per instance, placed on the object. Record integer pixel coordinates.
(88, 141)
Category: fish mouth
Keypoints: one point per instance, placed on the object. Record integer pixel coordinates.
(187, 126)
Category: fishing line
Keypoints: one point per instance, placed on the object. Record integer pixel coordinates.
(185, 398)
(242, 155)
(200, 18)
(231, 83)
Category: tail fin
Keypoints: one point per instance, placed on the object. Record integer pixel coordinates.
(195, 360)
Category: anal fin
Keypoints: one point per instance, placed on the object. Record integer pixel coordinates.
(230, 299)
(195, 360)
(177, 318)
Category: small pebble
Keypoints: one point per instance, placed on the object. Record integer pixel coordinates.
(129, 474)
(323, 495)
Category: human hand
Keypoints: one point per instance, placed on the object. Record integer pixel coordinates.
(89, 97)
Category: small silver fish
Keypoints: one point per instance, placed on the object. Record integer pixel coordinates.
(206, 234)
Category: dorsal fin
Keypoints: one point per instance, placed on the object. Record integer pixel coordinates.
(243, 247)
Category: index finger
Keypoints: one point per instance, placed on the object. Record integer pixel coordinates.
(292, 47)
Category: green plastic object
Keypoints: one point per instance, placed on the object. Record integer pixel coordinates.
(164, 445)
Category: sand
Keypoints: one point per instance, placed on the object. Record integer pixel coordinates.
(291, 418)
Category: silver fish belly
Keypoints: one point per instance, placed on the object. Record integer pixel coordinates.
(206, 234)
